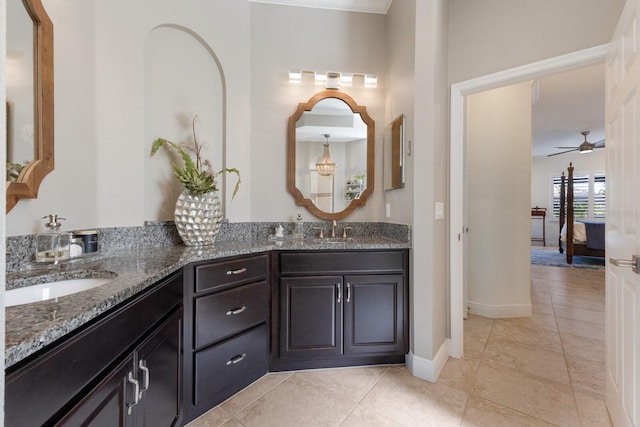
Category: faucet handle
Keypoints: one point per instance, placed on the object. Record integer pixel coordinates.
(344, 231)
(321, 235)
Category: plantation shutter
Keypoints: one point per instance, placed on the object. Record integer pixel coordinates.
(599, 196)
(586, 198)
(581, 196)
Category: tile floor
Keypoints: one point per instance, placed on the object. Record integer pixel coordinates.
(540, 371)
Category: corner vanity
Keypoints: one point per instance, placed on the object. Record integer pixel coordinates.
(176, 331)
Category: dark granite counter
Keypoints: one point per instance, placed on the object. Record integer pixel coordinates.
(31, 327)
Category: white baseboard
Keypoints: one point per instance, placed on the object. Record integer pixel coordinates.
(428, 369)
(499, 311)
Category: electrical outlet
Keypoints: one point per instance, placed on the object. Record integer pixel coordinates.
(388, 210)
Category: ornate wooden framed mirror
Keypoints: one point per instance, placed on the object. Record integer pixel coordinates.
(28, 176)
(330, 155)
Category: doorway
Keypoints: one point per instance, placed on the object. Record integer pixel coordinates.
(459, 92)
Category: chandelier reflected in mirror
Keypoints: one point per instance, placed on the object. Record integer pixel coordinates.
(326, 167)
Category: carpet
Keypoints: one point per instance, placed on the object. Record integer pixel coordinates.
(556, 259)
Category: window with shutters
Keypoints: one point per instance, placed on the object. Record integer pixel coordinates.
(589, 196)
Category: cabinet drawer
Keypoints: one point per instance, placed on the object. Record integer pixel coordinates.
(342, 262)
(231, 272)
(226, 313)
(226, 368)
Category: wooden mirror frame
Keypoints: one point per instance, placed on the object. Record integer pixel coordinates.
(291, 154)
(28, 182)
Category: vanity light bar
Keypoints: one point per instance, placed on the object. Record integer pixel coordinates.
(333, 79)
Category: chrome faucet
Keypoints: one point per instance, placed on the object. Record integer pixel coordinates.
(333, 228)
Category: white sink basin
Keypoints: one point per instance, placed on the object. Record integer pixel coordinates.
(46, 291)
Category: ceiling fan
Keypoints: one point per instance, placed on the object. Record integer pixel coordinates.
(584, 148)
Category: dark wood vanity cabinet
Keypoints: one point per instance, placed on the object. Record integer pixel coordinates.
(226, 333)
(143, 390)
(123, 369)
(339, 308)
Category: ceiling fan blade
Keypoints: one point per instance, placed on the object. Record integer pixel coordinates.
(562, 152)
(566, 148)
(599, 144)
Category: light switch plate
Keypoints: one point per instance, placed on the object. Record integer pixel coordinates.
(439, 210)
(388, 210)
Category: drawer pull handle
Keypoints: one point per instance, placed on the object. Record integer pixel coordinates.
(348, 292)
(238, 271)
(236, 359)
(136, 393)
(235, 311)
(339, 291)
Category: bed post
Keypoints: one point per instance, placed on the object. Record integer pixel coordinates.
(570, 214)
(563, 200)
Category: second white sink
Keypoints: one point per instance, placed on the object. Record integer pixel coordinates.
(46, 291)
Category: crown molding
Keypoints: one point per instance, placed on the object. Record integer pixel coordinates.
(366, 6)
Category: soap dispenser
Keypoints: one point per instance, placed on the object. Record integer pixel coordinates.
(299, 228)
(52, 246)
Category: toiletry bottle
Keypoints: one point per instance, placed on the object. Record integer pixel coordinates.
(299, 230)
(76, 247)
(53, 245)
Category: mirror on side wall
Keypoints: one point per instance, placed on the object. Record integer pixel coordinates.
(330, 164)
(29, 90)
(393, 162)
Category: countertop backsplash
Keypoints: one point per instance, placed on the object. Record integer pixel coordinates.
(21, 249)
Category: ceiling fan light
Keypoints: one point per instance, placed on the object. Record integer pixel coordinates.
(585, 150)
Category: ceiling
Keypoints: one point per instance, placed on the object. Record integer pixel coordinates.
(368, 6)
(565, 104)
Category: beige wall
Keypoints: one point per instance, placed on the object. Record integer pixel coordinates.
(429, 290)
(284, 38)
(400, 85)
(493, 35)
(70, 190)
(498, 201)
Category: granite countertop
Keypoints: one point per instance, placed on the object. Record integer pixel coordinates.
(31, 327)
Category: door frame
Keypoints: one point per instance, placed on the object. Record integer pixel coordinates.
(459, 92)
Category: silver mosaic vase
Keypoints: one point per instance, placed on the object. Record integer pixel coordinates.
(198, 218)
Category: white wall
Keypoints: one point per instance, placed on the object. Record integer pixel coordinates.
(493, 35)
(499, 174)
(544, 168)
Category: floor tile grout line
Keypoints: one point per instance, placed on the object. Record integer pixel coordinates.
(254, 400)
(365, 395)
(566, 363)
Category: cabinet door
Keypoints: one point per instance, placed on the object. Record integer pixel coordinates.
(310, 317)
(159, 375)
(374, 314)
(107, 404)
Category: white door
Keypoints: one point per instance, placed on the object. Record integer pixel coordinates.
(623, 220)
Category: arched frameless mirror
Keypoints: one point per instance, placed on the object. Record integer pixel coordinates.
(29, 88)
(330, 159)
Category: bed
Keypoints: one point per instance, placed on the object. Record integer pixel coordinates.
(577, 237)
